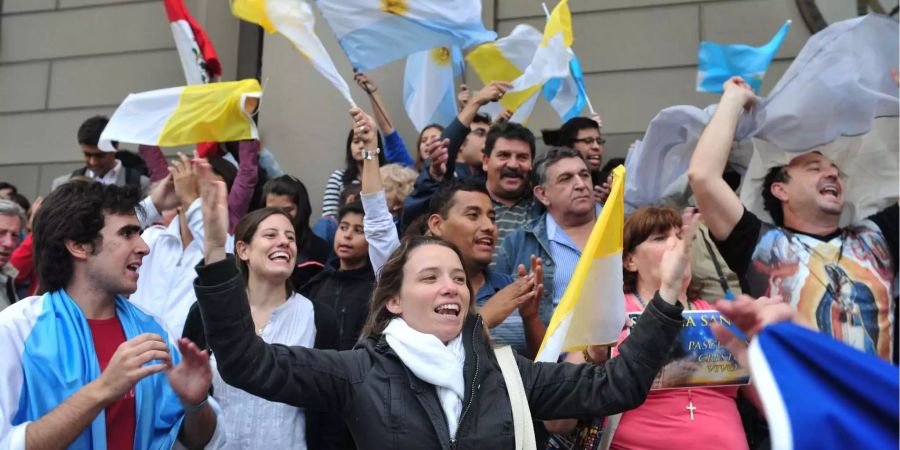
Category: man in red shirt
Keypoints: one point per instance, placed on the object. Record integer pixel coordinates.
(89, 369)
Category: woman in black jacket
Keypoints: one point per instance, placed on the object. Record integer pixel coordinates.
(398, 388)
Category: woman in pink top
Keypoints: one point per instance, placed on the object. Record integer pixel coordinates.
(697, 418)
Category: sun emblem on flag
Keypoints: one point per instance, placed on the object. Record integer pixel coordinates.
(396, 7)
(441, 56)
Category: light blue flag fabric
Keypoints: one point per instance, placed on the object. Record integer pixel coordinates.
(376, 32)
(717, 62)
(567, 95)
(59, 359)
(821, 394)
(429, 95)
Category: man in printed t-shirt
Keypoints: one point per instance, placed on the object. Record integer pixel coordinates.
(840, 279)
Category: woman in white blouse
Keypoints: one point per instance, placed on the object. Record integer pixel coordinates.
(266, 253)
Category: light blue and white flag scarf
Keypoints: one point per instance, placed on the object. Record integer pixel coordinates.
(59, 359)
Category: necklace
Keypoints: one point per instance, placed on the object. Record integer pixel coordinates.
(690, 407)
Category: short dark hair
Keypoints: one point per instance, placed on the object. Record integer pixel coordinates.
(442, 200)
(569, 131)
(10, 186)
(294, 189)
(90, 130)
(20, 200)
(75, 212)
(482, 118)
(554, 155)
(351, 208)
(508, 130)
(771, 203)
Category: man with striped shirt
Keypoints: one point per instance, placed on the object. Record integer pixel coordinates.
(562, 183)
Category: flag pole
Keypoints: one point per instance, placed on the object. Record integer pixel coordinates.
(580, 85)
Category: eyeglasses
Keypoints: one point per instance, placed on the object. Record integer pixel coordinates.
(591, 140)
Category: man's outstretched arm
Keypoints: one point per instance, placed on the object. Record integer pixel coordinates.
(721, 207)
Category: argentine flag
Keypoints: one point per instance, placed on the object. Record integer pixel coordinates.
(567, 95)
(819, 393)
(376, 32)
(428, 86)
(717, 62)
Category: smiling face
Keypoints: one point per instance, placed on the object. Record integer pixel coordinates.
(113, 261)
(567, 189)
(470, 226)
(814, 187)
(507, 168)
(434, 297)
(271, 252)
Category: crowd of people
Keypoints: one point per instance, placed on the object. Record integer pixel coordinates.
(147, 301)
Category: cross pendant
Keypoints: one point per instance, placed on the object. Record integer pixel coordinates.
(690, 407)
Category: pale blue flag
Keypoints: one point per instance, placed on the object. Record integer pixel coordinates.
(567, 95)
(376, 32)
(717, 62)
(428, 86)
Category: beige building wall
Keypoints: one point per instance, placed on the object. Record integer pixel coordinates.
(64, 60)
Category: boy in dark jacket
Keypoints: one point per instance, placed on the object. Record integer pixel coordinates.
(346, 283)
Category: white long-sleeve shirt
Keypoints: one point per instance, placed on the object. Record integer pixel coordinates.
(379, 228)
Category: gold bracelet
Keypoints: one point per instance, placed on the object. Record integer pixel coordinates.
(587, 356)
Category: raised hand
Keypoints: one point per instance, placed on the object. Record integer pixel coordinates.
(184, 175)
(508, 299)
(462, 97)
(676, 259)
(596, 118)
(491, 93)
(601, 193)
(127, 365)
(751, 316)
(364, 82)
(439, 153)
(364, 128)
(163, 194)
(530, 308)
(737, 90)
(504, 116)
(214, 197)
(191, 378)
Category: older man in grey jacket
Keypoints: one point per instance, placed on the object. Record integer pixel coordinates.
(12, 220)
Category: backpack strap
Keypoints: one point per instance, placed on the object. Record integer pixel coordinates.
(524, 428)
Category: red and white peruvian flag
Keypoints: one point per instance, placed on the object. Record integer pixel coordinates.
(198, 57)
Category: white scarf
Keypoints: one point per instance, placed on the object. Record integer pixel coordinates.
(433, 362)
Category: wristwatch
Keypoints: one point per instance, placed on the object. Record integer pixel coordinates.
(370, 154)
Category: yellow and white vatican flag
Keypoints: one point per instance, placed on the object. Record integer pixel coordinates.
(215, 112)
(592, 310)
(294, 20)
(506, 60)
(551, 60)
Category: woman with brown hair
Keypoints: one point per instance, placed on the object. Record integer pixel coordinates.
(265, 251)
(670, 418)
(424, 376)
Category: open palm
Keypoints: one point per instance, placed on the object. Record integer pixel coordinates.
(191, 378)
